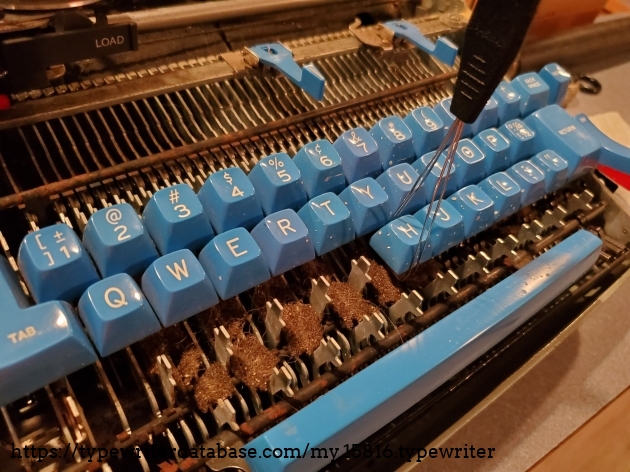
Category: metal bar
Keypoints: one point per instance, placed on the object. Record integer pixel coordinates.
(183, 151)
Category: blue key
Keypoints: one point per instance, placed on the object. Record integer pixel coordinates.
(555, 168)
(397, 241)
(328, 221)
(522, 140)
(54, 264)
(508, 101)
(367, 202)
(117, 241)
(531, 180)
(443, 111)
(397, 182)
(229, 200)
(394, 140)
(177, 287)
(427, 130)
(38, 344)
(557, 130)
(116, 314)
(320, 167)
(558, 81)
(476, 208)
(278, 183)
(447, 229)
(533, 90)
(505, 193)
(359, 154)
(470, 162)
(432, 177)
(496, 148)
(175, 220)
(488, 118)
(234, 263)
(284, 240)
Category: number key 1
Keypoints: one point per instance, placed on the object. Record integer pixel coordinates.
(118, 242)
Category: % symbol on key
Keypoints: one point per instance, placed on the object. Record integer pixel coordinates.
(275, 162)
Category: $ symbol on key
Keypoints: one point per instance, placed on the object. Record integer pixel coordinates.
(228, 178)
(113, 216)
(173, 196)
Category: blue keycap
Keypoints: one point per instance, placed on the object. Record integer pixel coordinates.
(496, 148)
(116, 314)
(531, 180)
(328, 221)
(394, 140)
(488, 118)
(320, 167)
(367, 202)
(118, 242)
(443, 111)
(555, 168)
(278, 183)
(54, 264)
(359, 154)
(397, 241)
(397, 182)
(234, 263)
(229, 200)
(177, 287)
(447, 229)
(470, 163)
(38, 344)
(522, 140)
(432, 177)
(476, 208)
(557, 130)
(508, 101)
(505, 193)
(533, 90)
(558, 81)
(427, 130)
(175, 220)
(284, 240)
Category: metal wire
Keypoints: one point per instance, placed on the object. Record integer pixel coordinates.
(452, 138)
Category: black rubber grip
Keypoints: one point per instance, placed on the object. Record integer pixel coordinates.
(493, 38)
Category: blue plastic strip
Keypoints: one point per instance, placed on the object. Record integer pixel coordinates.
(613, 154)
(379, 393)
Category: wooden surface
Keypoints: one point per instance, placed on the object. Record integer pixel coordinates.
(602, 444)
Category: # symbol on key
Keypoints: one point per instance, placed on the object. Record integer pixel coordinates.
(113, 216)
(275, 162)
(173, 196)
(228, 178)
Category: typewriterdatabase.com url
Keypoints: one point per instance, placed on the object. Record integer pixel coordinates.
(379, 451)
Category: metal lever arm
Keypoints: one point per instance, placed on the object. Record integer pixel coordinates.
(443, 49)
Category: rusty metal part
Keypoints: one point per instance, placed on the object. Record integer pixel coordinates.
(55, 188)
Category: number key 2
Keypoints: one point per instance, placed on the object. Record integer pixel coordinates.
(118, 242)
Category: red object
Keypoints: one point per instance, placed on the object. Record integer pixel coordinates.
(618, 177)
(5, 102)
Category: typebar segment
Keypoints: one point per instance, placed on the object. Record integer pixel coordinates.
(379, 393)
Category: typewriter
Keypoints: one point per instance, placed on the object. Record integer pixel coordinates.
(199, 249)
